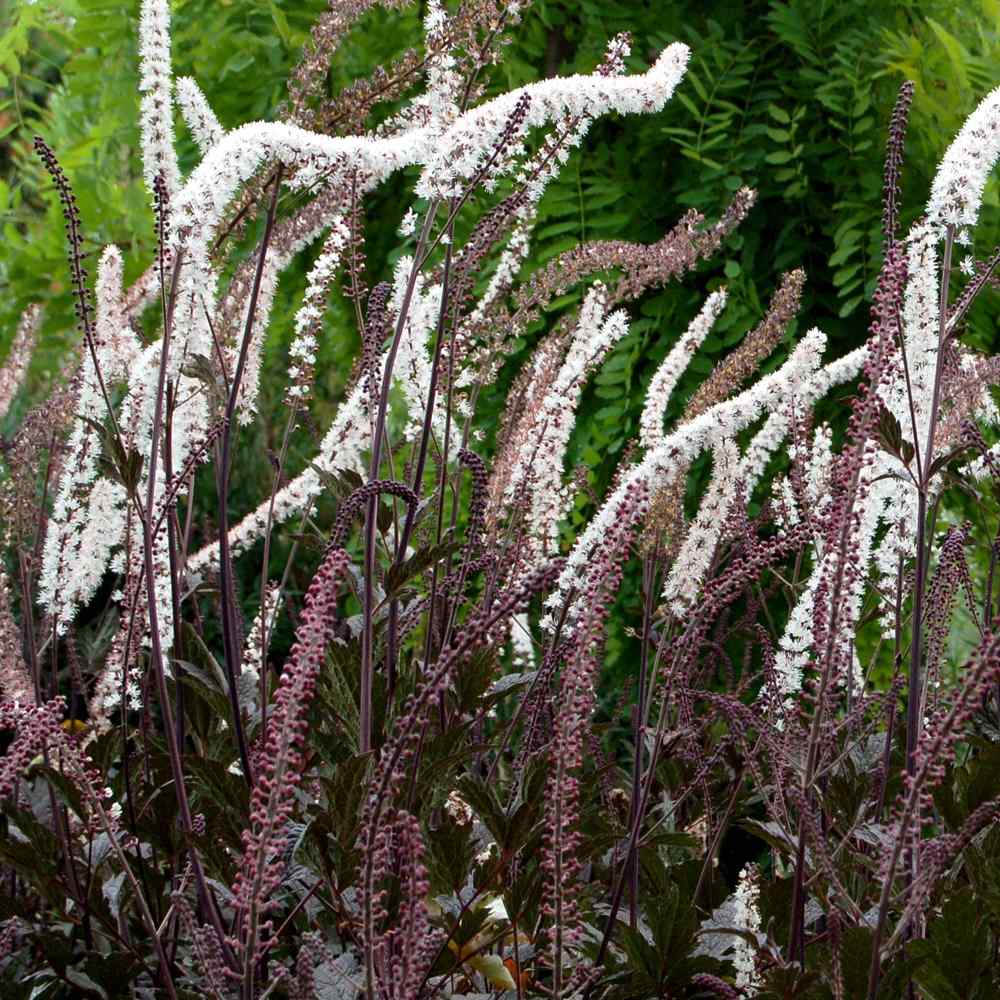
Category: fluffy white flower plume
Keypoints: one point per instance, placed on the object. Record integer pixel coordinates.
(819, 465)
(693, 560)
(87, 518)
(117, 342)
(920, 333)
(444, 82)
(88, 521)
(15, 368)
(680, 447)
(747, 918)
(408, 224)
(156, 106)
(957, 191)
(469, 142)
(308, 319)
(16, 683)
(651, 431)
(817, 458)
(413, 362)
(198, 114)
(543, 452)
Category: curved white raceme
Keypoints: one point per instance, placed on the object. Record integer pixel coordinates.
(679, 448)
(15, 367)
(468, 143)
(345, 441)
(693, 559)
(159, 158)
(920, 333)
(88, 514)
(111, 325)
(241, 152)
(302, 352)
(538, 466)
(957, 190)
(261, 630)
(413, 362)
(796, 644)
(198, 115)
(673, 366)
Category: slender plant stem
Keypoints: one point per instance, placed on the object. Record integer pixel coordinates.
(227, 595)
(915, 682)
(367, 634)
(156, 650)
(265, 625)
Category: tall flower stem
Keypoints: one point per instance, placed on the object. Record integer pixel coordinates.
(987, 655)
(156, 651)
(171, 520)
(914, 697)
(367, 634)
(227, 596)
(265, 625)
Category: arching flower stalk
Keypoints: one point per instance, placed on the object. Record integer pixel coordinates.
(198, 115)
(691, 565)
(577, 684)
(547, 434)
(273, 793)
(15, 368)
(679, 448)
(159, 158)
(673, 366)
